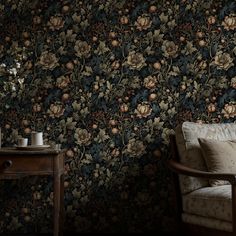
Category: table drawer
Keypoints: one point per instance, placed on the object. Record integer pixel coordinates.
(25, 165)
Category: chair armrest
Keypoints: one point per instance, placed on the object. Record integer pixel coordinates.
(184, 170)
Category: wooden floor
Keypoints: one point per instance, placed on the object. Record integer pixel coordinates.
(98, 234)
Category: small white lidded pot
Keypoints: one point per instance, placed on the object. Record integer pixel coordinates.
(22, 142)
(36, 138)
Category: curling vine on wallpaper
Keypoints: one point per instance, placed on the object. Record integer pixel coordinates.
(109, 81)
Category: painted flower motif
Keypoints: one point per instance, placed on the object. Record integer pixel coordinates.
(63, 81)
(229, 110)
(56, 110)
(136, 61)
(150, 82)
(170, 49)
(233, 82)
(124, 107)
(143, 22)
(143, 110)
(56, 23)
(229, 22)
(211, 20)
(135, 148)
(211, 108)
(223, 60)
(82, 49)
(37, 107)
(48, 60)
(115, 65)
(82, 136)
(37, 20)
(202, 65)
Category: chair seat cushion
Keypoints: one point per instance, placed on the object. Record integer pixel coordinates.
(207, 222)
(214, 202)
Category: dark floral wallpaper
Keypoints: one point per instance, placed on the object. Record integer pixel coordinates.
(109, 81)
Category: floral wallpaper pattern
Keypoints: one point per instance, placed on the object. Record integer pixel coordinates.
(109, 81)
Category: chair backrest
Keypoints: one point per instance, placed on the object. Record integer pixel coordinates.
(189, 149)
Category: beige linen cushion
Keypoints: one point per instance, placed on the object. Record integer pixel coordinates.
(220, 157)
(189, 149)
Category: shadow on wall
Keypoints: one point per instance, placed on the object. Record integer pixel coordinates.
(109, 209)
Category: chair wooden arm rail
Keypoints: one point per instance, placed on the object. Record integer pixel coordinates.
(184, 170)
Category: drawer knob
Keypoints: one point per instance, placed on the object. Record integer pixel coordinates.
(7, 164)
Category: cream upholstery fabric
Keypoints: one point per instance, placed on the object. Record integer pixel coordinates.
(220, 157)
(207, 222)
(189, 148)
(210, 202)
(188, 183)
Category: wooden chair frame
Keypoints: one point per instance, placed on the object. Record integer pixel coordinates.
(178, 168)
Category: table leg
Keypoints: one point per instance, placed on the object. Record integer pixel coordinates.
(56, 199)
(62, 208)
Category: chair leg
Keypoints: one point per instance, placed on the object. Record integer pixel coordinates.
(234, 208)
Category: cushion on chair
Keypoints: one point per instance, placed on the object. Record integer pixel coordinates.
(190, 151)
(210, 202)
(220, 156)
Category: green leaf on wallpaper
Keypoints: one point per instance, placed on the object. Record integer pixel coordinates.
(163, 17)
(135, 83)
(149, 138)
(84, 24)
(101, 7)
(157, 36)
(68, 36)
(109, 174)
(163, 105)
(172, 111)
(171, 24)
(84, 112)
(119, 4)
(109, 86)
(188, 7)
(175, 71)
(76, 18)
(76, 106)
(102, 136)
(170, 99)
(101, 95)
(87, 159)
(62, 139)
(157, 123)
(88, 71)
(148, 50)
(101, 49)
(166, 134)
(196, 85)
(119, 92)
(222, 83)
(76, 194)
(124, 81)
(189, 48)
(70, 124)
(1, 8)
(234, 50)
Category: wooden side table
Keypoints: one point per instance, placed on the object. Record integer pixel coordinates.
(16, 163)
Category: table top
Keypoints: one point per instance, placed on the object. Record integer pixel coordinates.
(16, 151)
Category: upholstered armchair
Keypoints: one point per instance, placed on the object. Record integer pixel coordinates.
(204, 167)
